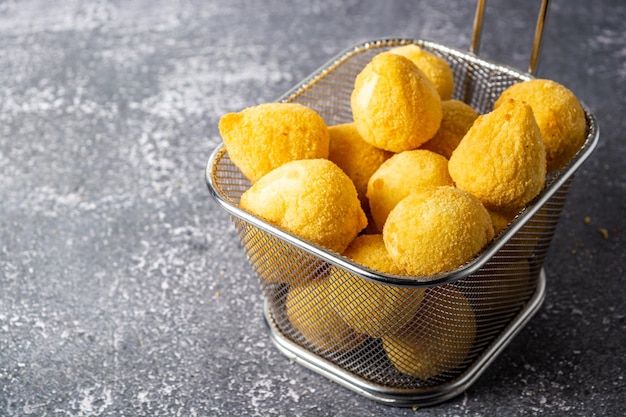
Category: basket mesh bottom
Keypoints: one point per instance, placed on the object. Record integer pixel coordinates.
(407, 338)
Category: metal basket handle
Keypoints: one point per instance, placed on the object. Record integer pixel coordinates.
(541, 19)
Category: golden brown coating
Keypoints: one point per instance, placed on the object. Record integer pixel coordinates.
(275, 261)
(372, 308)
(502, 159)
(263, 137)
(394, 105)
(436, 229)
(309, 312)
(357, 158)
(500, 220)
(457, 119)
(401, 174)
(435, 67)
(529, 238)
(311, 198)
(439, 337)
(559, 115)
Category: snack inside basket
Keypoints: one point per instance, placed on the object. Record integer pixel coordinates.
(392, 339)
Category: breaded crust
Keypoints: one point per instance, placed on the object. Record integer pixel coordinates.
(311, 198)
(401, 174)
(502, 159)
(435, 67)
(436, 229)
(369, 307)
(310, 313)
(457, 119)
(263, 137)
(559, 115)
(438, 339)
(394, 105)
(357, 158)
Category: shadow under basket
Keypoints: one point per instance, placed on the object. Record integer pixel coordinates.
(404, 341)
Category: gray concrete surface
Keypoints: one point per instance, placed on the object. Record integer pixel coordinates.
(123, 288)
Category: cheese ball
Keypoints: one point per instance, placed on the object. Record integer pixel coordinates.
(439, 337)
(500, 220)
(357, 158)
(394, 105)
(530, 238)
(311, 198)
(277, 262)
(310, 313)
(263, 137)
(436, 229)
(559, 115)
(368, 307)
(401, 174)
(502, 159)
(457, 119)
(435, 67)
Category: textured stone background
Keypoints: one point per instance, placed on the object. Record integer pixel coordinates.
(123, 288)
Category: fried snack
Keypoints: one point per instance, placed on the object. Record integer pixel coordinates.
(265, 136)
(277, 262)
(436, 229)
(309, 312)
(529, 238)
(500, 220)
(436, 68)
(311, 198)
(394, 105)
(401, 174)
(559, 115)
(457, 119)
(439, 337)
(501, 160)
(357, 158)
(368, 307)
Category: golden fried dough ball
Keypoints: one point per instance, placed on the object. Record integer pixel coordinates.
(369, 307)
(500, 220)
(559, 115)
(436, 229)
(310, 313)
(394, 105)
(502, 159)
(401, 174)
(528, 238)
(263, 137)
(276, 261)
(436, 68)
(439, 337)
(457, 119)
(311, 198)
(357, 158)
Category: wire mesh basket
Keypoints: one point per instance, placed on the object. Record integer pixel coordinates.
(396, 340)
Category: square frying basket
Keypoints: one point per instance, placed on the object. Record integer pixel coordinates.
(403, 341)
